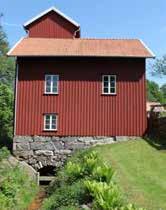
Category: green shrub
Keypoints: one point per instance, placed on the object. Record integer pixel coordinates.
(4, 153)
(103, 173)
(66, 195)
(74, 171)
(106, 196)
(90, 161)
(16, 189)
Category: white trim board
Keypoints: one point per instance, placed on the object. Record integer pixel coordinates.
(47, 11)
(15, 101)
(10, 51)
(148, 49)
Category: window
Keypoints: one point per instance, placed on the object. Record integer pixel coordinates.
(51, 84)
(50, 122)
(109, 84)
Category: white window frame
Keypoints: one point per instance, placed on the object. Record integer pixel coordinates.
(109, 84)
(50, 126)
(45, 89)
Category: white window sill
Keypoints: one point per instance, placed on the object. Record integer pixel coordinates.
(50, 130)
(51, 93)
(109, 94)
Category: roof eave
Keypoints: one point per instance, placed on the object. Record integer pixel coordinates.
(100, 56)
(46, 12)
(149, 50)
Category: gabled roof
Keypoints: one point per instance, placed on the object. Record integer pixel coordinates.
(46, 12)
(81, 47)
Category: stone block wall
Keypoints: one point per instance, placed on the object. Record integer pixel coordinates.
(40, 151)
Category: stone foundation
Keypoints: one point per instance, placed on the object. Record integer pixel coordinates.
(40, 151)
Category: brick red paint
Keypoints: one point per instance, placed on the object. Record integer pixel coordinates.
(81, 108)
(52, 25)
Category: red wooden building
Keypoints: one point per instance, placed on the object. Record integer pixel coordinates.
(72, 86)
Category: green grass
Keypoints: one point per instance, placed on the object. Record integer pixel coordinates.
(16, 188)
(140, 172)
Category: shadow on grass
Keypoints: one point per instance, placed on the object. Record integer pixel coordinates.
(157, 143)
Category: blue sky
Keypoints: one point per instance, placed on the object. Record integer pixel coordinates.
(144, 19)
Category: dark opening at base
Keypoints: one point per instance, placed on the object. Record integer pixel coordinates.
(47, 171)
(47, 175)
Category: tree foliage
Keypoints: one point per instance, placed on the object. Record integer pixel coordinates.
(154, 93)
(6, 63)
(163, 89)
(6, 91)
(159, 66)
(6, 114)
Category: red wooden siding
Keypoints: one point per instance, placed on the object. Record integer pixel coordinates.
(82, 109)
(52, 25)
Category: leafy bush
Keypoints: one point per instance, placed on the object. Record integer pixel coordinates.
(67, 195)
(4, 153)
(74, 171)
(103, 173)
(90, 161)
(106, 196)
(16, 188)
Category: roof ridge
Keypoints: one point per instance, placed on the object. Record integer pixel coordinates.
(46, 12)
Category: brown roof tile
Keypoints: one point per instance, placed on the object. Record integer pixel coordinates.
(81, 47)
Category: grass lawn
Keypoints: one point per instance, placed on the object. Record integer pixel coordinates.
(140, 172)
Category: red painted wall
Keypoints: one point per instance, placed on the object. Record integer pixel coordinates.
(82, 109)
(52, 25)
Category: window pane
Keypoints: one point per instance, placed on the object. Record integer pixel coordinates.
(47, 122)
(48, 83)
(112, 84)
(112, 90)
(47, 127)
(53, 126)
(55, 84)
(55, 78)
(48, 89)
(47, 117)
(106, 78)
(54, 90)
(53, 121)
(105, 90)
(48, 77)
(105, 84)
(112, 78)
(53, 117)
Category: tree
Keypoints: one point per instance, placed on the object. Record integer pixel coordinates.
(6, 113)
(163, 89)
(6, 64)
(159, 66)
(6, 91)
(154, 93)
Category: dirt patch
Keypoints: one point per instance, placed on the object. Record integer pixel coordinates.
(37, 202)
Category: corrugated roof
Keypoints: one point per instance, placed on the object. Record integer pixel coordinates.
(81, 47)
